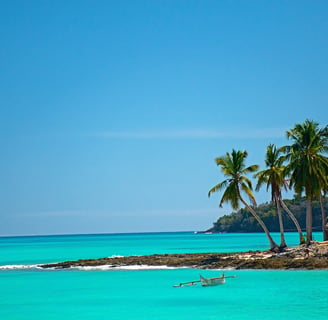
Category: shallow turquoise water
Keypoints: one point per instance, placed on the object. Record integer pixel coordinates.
(44, 249)
(148, 294)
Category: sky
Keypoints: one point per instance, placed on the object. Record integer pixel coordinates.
(112, 112)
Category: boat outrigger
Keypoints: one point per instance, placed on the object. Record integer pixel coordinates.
(206, 282)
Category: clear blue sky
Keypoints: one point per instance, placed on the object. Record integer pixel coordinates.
(112, 112)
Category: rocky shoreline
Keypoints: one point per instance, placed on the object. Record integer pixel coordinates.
(314, 256)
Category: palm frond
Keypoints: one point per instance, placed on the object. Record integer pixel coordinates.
(230, 195)
(218, 187)
(246, 189)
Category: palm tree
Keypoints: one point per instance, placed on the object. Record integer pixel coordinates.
(274, 177)
(324, 220)
(233, 167)
(308, 166)
(323, 216)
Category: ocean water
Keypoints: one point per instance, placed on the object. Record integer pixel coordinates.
(27, 292)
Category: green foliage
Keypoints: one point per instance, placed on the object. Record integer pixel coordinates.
(307, 165)
(234, 169)
(243, 221)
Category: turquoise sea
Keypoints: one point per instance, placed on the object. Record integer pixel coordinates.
(27, 292)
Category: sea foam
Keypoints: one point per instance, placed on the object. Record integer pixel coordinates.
(18, 266)
(113, 268)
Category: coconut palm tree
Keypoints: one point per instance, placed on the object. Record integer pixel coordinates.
(307, 164)
(234, 169)
(323, 216)
(274, 178)
(324, 220)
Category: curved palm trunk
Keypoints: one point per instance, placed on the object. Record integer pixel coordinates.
(324, 219)
(273, 245)
(308, 220)
(297, 225)
(281, 225)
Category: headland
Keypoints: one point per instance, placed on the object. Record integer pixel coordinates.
(303, 257)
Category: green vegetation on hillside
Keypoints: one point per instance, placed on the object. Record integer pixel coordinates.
(243, 221)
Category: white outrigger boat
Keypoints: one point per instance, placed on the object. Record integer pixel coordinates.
(212, 281)
(206, 282)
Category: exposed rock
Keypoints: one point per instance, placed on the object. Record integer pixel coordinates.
(314, 256)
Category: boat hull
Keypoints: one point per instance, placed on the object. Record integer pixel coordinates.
(206, 282)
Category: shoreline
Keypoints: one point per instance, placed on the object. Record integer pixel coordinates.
(312, 257)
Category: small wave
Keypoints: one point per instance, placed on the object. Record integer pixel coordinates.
(18, 266)
(143, 267)
(223, 269)
(133, 267)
